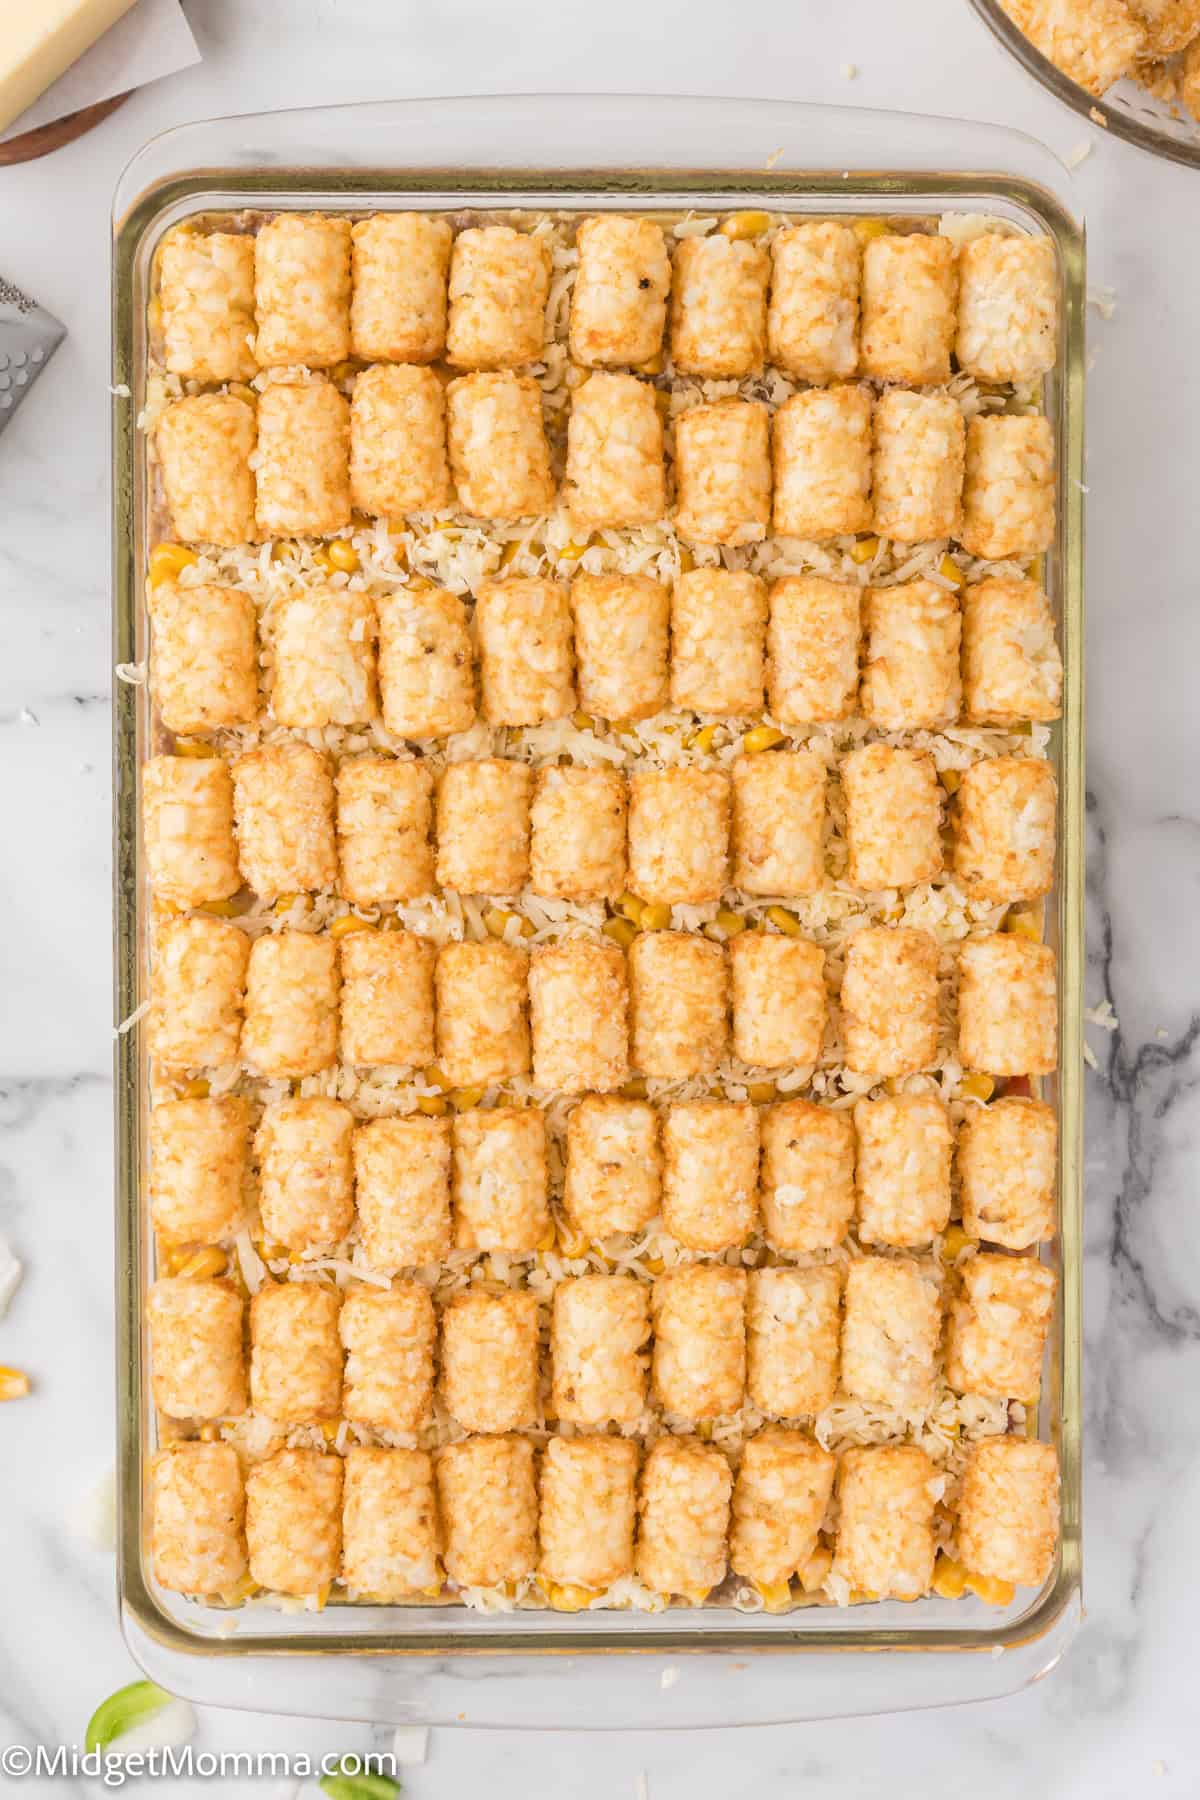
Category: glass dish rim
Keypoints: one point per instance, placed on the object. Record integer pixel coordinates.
(897, 190)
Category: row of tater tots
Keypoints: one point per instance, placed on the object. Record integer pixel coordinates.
(418, 1187)
(495, 827)
(394, 1524)
(622, 648)
(818, 305)
(582, 1014)
(700, 1340)
(300, 459)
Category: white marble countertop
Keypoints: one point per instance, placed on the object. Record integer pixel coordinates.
(1119, 1717)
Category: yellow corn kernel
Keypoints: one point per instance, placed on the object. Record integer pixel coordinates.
(621, 931)
(343, 556)
(432, 1105)
(1037, 570)
(285, 551)
(195, 748)
(654, 366)
(704, 1431)
(786, 921)
(731, 923)
(687, 561)
(630, 907)
(436, 1079)
(197, 1089)
(210, 1433)
(866, 229)
(285, 903)
(949, 571)
(653, 1265)
(704, 739)
(990, 1589)
(864, 549)
(349, 922)
(241, 391)
(330, 1429)
(572, 552)
(244, 1588)
(463, 1099)
(951, 780)
(169, 560)
(745, 225)
(204, 1264)
(567, 1598)
(497, 921)
(656, 916)
(949, 1577)
(223, 909)
(816, 1570)
(270, 1251)
(894, 912)
(862, 1596)
(634, 1089)
(761, 1091)
(571, 1242)
(1025, 925)
(979, 1087)
(776, 1595)
(761, 737)
(14, 1384)
(548, 1238)
(954, 1242)
(583, 721)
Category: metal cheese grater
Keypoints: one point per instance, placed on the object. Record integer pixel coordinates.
(29, 336)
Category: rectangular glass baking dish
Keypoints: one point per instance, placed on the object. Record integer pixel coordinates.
(650, 154)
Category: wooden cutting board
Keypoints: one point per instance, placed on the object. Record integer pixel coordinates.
(45, 138)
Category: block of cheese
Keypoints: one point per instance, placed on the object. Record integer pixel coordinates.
(39, 42)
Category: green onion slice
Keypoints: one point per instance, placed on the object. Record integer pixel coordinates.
(128, 1707)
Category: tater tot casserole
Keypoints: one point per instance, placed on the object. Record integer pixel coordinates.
(597, 821)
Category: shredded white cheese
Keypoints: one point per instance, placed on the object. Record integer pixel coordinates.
(10, 1275)
(138, 1013)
